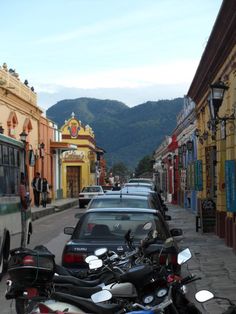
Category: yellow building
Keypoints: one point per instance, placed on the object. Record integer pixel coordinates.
(19, 112)
(78, 165)
(216, 122)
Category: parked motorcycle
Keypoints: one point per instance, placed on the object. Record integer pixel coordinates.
(37, 289)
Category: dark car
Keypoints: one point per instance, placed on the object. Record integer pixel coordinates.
(106, 227)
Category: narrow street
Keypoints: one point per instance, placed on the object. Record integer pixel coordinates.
(48, 231)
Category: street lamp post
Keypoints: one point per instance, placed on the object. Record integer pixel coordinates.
(23, 137)
(42, 146)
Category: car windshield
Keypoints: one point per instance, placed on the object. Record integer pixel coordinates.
(119, 202)
(91, 189)
(112, 226)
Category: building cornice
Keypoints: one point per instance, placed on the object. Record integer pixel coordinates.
(218, 48)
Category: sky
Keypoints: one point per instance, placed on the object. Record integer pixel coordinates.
(127, 50)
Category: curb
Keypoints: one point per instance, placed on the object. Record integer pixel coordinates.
(51, 209)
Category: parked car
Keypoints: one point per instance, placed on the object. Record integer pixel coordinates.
(140, 185)
(119, 200)
(106, 227)
(88, 192)
(140, 180)
(155, 197)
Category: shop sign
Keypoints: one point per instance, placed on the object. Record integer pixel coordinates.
(183, 179)
(208, 215)
(230, 179)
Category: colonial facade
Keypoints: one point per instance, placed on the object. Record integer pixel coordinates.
(20, 113)
(216, 128)
(79, 167)
(206, 135)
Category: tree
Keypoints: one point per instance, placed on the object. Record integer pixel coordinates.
(144, 167)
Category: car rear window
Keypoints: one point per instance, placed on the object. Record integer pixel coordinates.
(119, 202)
(112, 226)
(91, 189)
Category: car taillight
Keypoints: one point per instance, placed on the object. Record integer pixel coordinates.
(29, 260)
(70, 258)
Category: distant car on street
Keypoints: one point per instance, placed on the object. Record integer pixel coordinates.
(106, 227)
(140, 185)
(119, 200)
(88, 192)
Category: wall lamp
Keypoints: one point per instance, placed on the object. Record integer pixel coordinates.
(215, 100)
(1, 129)
(23, 136)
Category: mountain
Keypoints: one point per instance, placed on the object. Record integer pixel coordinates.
(127, 134)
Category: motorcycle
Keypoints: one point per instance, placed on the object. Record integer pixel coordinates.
(35, 286)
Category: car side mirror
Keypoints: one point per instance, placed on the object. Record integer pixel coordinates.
(69, 230)
(176, 232)
(167, 217)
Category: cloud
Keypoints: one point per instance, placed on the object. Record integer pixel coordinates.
(176, 72)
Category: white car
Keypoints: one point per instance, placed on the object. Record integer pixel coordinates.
(88, 192)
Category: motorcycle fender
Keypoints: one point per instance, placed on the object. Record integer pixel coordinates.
(125, 289)
(61, 306)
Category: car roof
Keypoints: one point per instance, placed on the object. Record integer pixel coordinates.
(123, 210)
(120, 195)
(129, 191)
(92, 186)
(138, 184)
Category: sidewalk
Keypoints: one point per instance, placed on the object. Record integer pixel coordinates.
(211, 259)
(55, 206)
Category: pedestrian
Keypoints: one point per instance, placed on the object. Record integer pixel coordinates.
(37, 185)
(45, 191)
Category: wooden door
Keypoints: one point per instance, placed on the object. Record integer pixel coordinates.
(73, 181)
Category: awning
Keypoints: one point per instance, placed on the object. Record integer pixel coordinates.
(62, 146)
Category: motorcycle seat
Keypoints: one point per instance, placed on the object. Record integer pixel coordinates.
(76, 281)
(87, 304)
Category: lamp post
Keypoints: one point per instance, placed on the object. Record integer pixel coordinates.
(42, 152)
(23, 137)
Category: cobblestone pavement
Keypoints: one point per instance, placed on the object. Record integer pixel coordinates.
(211, 259)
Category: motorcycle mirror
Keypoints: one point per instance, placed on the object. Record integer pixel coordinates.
(101, 296)
(169, 242)
(96, 263)
(184, 256)
(203, 296)
(90, 258)
(100, 252)
(147, 226)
